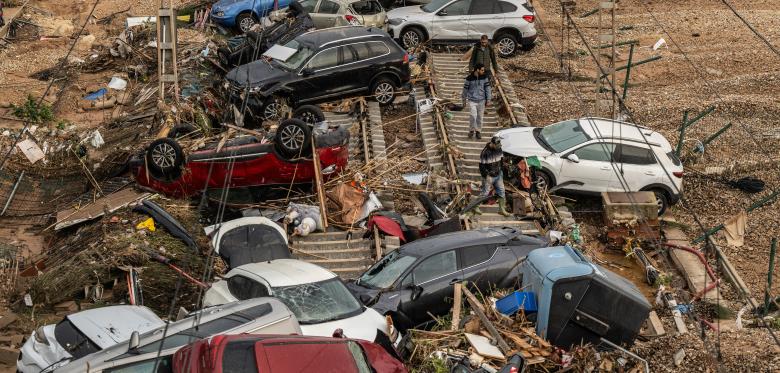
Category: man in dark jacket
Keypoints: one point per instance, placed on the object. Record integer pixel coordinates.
(490, 169)
(476, 95)
(483, 53)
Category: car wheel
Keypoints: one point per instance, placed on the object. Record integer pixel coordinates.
(245, 21)
(293, 139)
(662, 200)
(411, 37)
(310, 114)
(383, 91)
(164, 158)
(272, 109)
(543, 180)
(506, 44)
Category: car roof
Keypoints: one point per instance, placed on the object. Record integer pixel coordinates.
(600, 128)
(285, 272)
(107, 326)
(335, 34)
(441, 242)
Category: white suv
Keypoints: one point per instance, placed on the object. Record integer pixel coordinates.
(509, 23)
(593, 155)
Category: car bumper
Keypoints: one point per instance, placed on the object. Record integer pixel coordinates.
(226, 20)
(529, 39)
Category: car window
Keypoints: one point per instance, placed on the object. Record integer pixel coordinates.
(325, 59)
(484, 7)
(436, 266)
(369, 50)
(309, 5)
(319, 302)
(73, 340)
(673, 157)
(239, 357)
(349, 54)
(472, 255)
(328, 7)
(458, 8)
(634, 155)
(367, 7)
(601, 152)
(245, 288)
(505, 7)
(164, 365)
(386, 271)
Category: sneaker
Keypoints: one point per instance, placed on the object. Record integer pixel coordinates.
(479, 136)
(471, 134)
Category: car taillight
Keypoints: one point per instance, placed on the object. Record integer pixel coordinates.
(529, 18)
(406, 57)
(352, 20)
(678, 173)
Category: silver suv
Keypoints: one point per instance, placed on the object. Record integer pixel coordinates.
(509, 23)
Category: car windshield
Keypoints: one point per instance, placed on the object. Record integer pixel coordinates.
(298, 58)
(319, 302)
(434, 5)
(386, 271)
(564, 135)
(73, 340)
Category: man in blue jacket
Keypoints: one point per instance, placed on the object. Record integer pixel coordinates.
(477, 95)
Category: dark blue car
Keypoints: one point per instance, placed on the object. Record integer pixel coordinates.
(242, 14)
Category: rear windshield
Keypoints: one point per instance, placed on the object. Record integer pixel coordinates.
(673, 158)
(239, 357)
(73, 340)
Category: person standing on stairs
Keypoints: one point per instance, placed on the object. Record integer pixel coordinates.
(477, 94)
(490, 160)
(483, 53)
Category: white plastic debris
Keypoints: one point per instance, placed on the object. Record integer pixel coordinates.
(741, 312)
(117, 83)
(661, 42)
(97, 140)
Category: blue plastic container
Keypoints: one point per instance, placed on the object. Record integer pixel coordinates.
(512, 303)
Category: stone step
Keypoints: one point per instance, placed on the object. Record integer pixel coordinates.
(362, 253)
(348, 273)
(329, 236)
(351, 263)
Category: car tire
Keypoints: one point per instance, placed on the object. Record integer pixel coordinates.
(293, 139)
(383, 90)
(310, 114)
(164, 157)
(272, 109)
(506, 45)
(543, 180)
(245, 21)
(662, 200)
(411, 37)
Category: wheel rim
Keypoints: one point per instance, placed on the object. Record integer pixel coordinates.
(292, 137)
(246, 23)
(384, 92)
(411, 39)
(164, 156)
(506, 46)
(541, 182)
(271, 111)
(659, 201)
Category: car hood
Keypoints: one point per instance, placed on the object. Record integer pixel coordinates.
(407, 12)
(362, 326)
(258, 73)
(521, 142)
(226, 3)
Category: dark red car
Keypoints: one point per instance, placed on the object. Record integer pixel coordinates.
(165, 168)
(247, 353)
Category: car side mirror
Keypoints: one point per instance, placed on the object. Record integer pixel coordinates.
(416, 291)
(307, 72)
(135, 340)
(442, 13)
(573, 157)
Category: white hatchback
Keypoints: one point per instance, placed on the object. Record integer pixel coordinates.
(594, 155)
(318, 298)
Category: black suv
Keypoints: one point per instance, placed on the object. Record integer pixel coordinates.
(326, 64)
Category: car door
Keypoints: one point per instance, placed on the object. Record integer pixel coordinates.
(318, 76)
(451, 22)
(594, 169)
(327, 14)
(435, 277)
(638, 166)
(476, 265)
(369, 12)
(485, 17)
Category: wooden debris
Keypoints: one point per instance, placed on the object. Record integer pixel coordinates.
(483, 346)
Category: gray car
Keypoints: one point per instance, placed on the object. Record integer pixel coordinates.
(509, 23)
(415, 281)
(140, 354)
(333, 13)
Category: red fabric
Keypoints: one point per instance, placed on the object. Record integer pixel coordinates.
(387, 226)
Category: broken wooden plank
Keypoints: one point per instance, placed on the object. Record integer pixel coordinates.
(654, 326)
(109, 203)
(483, 346)
(689, 264)
(476, 306)
(457, 300)
(318, 183)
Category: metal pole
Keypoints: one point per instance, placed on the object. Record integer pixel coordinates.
(678, 151)
(628, 72)
(699, 116)
(772, 252)
(13, 192)
(716, 134)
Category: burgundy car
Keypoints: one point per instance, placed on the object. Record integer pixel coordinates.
(247, 353)
(165, 168)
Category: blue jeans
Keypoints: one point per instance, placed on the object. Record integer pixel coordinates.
(496, 182)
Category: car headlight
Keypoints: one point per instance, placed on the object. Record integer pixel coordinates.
(40, 336)
(219, 14)
(255, 89)
(395, 21)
